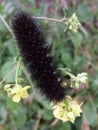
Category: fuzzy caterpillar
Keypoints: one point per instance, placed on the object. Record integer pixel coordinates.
(35, 53)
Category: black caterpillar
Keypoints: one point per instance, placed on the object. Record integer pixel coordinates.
(36, 56)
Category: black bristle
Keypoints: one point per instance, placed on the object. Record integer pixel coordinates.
(36, 56)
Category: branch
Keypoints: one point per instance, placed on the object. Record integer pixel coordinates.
(6, 25)
(53, 123)
(51, 19)
(41, 18)
(37, 123)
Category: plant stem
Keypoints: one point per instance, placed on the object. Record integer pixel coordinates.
(41, 18)
(51, 19)
(17, 72)
(6, 25)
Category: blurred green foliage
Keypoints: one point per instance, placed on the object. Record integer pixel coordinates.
(79, 52)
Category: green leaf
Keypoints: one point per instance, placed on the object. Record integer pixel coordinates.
(6, 68)
(2, 27)
(3, 113)
(90, 113)
(79, 62)
(1, 8)
(8, 8)
(48, 114)
(66, 58)
(11, 105)
(84, 13)
(21, 117)
(70, 11)
(96, 101)
(62, 126)
(77, 38)
(12, 48)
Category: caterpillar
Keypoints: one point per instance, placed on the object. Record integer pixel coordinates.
(36, 56)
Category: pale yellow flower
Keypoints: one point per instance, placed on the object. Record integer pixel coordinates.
(67, 110)
(58, 111)
(71, 117)
(76, 108)
(73, 23)
(18, 92)
(82, 77)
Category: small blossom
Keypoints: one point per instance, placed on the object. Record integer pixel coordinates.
(59, 112)
(71, 116)
(67, 110)
(78, 110)
(7, 87)
(82, 77)
(18, 92)
(77, 80)
(74, 83)
(73, 23)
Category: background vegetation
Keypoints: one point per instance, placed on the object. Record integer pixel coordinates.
(79, 52)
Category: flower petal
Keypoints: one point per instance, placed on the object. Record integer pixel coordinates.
(16, 98)
(16, 89)
(27, 87)
(24, 94)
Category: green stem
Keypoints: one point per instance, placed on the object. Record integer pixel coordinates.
(51, 19)
(6, 25)
(17, 72)
(71, 75)
(68, 73)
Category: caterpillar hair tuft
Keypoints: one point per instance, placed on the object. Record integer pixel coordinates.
(35, 53)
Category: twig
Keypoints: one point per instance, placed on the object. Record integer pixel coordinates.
(38, 121)
(26, 74)
(17, 72)
(53, 123)
(6, 25)
(51, 19)
(41, 18)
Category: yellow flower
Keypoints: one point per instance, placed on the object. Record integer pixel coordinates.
(18, 92)
(59, 112)
(67, 110)
(76, 108)
(74, 23)
(71, 116)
